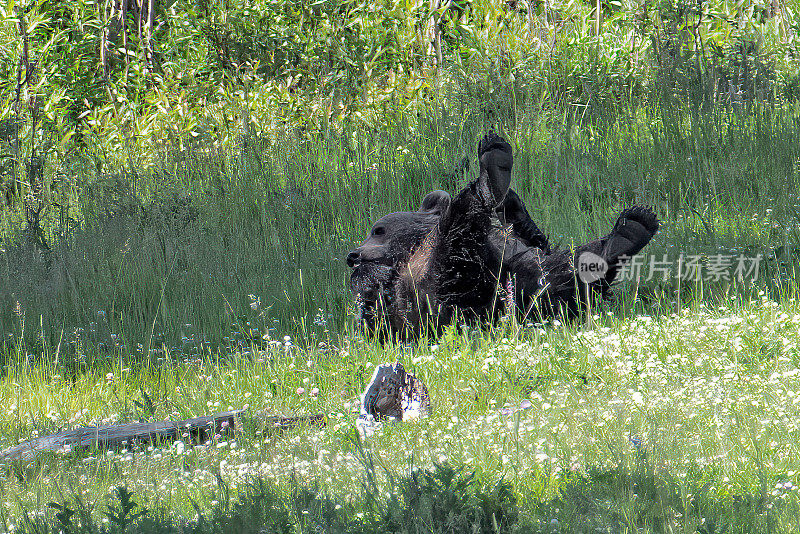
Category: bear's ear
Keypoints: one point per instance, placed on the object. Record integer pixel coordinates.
(435, 203)
(496, 160)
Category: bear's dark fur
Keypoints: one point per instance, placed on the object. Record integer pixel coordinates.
(416, 270)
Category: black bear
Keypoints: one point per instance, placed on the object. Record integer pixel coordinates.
(416, 270)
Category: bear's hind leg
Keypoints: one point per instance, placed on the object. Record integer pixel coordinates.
(512, 211)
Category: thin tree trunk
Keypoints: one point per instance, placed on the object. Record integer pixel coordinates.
(779, 6)
(17, 106)
(140, 6)
(530, 17)
(597, 15)
(434, 33)
(151, 10)
(124, 16)
(114, 15)
(104, 42)
(34, 202)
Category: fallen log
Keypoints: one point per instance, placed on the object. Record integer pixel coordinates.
(196, 431)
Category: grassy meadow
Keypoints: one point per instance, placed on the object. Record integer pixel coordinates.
(196, 203)
(182, 256)
(670, 423)
(672, 409)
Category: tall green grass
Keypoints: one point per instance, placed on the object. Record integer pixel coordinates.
(173, 256)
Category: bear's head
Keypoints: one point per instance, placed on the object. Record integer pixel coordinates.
(390, 242)
(392, 238)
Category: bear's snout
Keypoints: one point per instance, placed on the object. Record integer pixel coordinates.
(368, 253)
(354, 258)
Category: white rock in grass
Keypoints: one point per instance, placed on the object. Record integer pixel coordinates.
(394, 393)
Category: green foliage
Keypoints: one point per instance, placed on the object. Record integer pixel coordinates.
(225, 67)
(120, 515)
(444, 500)
(453, 501)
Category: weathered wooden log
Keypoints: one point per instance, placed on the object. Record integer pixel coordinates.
(196, 430)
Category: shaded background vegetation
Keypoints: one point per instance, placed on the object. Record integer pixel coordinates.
(192, 173)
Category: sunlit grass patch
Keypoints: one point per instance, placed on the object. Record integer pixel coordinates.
(705, 396)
